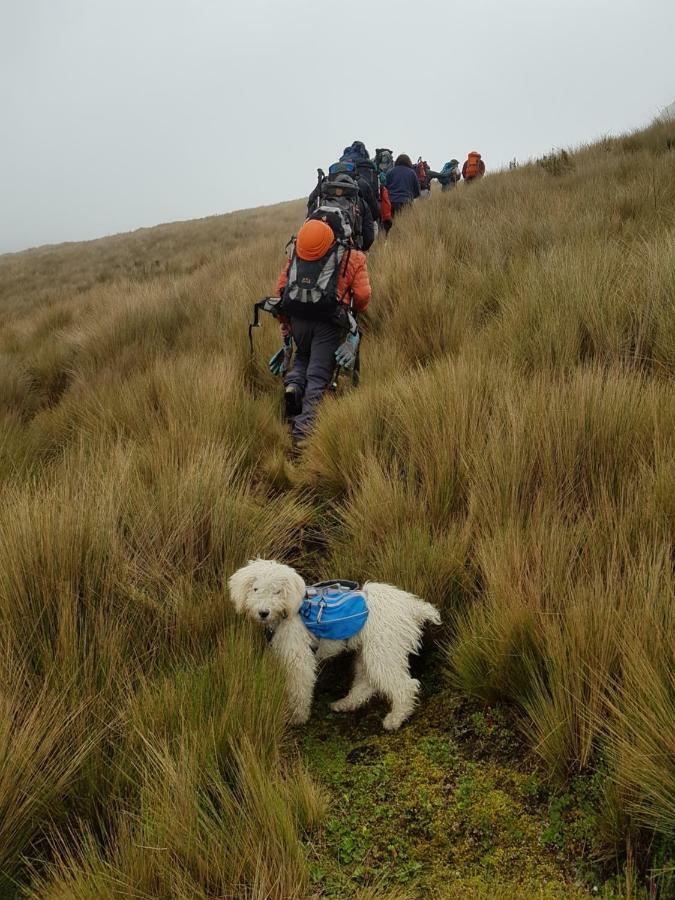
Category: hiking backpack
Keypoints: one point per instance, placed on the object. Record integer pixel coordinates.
(337, 202)
(384, 160)
(422, 169)
(357, 150)
(334, 610)
(311, 292)
(472, 166)
(449, 172)
(312, 289)
(357, 156)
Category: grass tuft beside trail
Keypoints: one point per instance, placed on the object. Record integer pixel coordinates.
(509, 456)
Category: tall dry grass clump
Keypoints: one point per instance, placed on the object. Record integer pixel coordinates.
(509, 456)
(143, 732)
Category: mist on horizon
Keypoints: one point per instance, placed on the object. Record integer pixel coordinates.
(129, 115)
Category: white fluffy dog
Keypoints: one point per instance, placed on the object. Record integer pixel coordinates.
(272, 594)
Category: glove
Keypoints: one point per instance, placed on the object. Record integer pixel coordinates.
(281, 361)
(346, 352)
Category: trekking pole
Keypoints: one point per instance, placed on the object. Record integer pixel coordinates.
(356, 370)
(254, 324)
(267, 304)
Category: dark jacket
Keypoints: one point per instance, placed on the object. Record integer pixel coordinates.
(371, 199)
(367, 236)
(403, 184)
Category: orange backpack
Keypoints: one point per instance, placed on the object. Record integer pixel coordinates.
(472, 166)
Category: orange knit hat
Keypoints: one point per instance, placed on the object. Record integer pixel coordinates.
(314, 239)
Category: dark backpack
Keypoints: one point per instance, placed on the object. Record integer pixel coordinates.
(337, 202)
(384, 160)
(311, 292)
(363, 168)
(422, 169)
(357, 150)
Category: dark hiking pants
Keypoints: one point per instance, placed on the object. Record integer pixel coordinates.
(313, 367)
(397, 207)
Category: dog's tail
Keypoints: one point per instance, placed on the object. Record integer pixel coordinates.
(425, 612)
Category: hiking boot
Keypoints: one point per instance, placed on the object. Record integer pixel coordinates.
(292, 401)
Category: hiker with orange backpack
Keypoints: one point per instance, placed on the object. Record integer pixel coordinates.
(424, 175)
(474, 167)
(385, 204)
(322, 286)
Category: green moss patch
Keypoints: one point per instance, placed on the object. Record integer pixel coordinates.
(449, 806)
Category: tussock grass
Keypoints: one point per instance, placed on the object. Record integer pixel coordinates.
(509, 456)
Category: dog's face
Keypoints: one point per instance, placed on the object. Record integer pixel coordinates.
(267, 591)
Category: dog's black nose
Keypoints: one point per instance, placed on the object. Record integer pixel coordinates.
(264, 613)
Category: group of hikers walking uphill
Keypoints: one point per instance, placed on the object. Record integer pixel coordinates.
(324, 282)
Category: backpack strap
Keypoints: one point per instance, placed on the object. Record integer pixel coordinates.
(348, 255)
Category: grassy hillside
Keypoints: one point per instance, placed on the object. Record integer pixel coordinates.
(509, 456)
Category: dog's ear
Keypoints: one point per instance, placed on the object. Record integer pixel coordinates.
(294, 591)
(240, 585)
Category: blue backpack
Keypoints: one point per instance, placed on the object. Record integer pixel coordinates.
(335, 610)
(356, 150)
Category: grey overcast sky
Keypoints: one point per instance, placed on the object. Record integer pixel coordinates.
(122, 113)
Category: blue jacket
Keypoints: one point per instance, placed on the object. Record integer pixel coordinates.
(403, 184)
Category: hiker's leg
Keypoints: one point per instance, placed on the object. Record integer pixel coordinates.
(326, 339)
(301, 330)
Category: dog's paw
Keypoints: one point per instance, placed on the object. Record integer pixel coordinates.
(341, 705)
(392, 722)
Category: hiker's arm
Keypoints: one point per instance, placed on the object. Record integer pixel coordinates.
(367, 229)
(282, 280)
(385, 204)
(360, 286)
(370, 199)
(415, 184)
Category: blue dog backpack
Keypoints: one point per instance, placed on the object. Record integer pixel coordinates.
(335, 610)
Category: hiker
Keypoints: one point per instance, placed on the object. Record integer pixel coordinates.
(424, 175)
(402, 183)
(385, 204)
(316, 316)
(366, 171)
(449, 175)
(364, 230)
(383, 160)
(474, 167)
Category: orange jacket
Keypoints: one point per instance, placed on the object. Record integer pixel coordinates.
(385, 204)
(352, 284)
